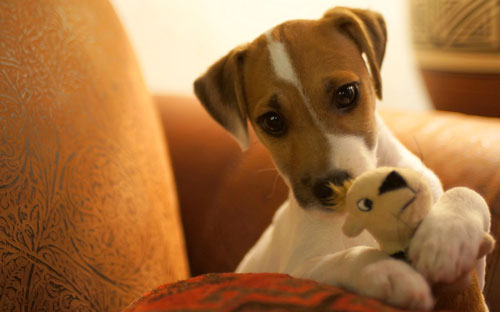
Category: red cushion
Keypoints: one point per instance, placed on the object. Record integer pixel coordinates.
(250, 292)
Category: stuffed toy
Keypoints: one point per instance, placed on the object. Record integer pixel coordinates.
(390, 203)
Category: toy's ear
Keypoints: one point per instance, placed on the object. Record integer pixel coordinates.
(392, 182)
(221, 92)
(367, 28)
(353, 226)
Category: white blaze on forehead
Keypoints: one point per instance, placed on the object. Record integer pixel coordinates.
(283, 68)
(282, 64)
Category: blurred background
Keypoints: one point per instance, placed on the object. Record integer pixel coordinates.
(444, 52)
(176, 40)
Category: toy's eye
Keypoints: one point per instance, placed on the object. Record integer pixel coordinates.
(365, 204)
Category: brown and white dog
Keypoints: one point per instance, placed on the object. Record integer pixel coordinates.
(309, 88)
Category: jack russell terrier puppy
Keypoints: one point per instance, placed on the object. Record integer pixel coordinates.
(309, 88)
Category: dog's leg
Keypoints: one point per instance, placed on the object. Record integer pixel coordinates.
(447, 242)
(297, 235)
(369, 271)
(310, 244)
(461, 214)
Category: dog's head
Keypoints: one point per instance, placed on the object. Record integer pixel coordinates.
(307, 91)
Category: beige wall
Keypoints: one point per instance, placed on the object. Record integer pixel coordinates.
(176, 40)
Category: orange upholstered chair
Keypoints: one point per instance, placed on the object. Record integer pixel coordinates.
(88, 208)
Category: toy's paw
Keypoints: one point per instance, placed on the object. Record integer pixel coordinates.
(446, 246)
(396, 283)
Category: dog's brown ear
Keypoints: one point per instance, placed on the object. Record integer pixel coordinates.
(221, 92)
(367, 28)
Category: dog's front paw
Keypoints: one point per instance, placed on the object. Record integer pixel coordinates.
(396, 283)
(446, 245)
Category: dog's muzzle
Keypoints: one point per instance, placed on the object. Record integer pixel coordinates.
(322, 189)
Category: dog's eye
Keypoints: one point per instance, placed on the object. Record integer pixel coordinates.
(365, 204)
(273, 123)
(346, 96)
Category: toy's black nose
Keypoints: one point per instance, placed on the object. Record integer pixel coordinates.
(322, 190)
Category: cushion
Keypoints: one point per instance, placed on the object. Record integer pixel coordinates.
(252, 292)
(88, 211)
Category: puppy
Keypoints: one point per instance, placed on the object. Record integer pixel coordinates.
(309, 90)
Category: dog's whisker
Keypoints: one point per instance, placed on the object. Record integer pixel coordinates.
(277, 176)
(267, 170)
(420, 154)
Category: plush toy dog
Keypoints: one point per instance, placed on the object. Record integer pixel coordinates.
(390, 203)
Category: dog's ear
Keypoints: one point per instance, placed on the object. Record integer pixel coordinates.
(221, 92)
(367, 28)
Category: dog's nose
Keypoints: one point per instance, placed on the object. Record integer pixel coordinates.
(322, 190)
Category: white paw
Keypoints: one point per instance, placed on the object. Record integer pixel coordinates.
(396, 283)
(446, 244)
(445, 247)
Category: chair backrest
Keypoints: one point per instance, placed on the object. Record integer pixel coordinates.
(88, 209)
